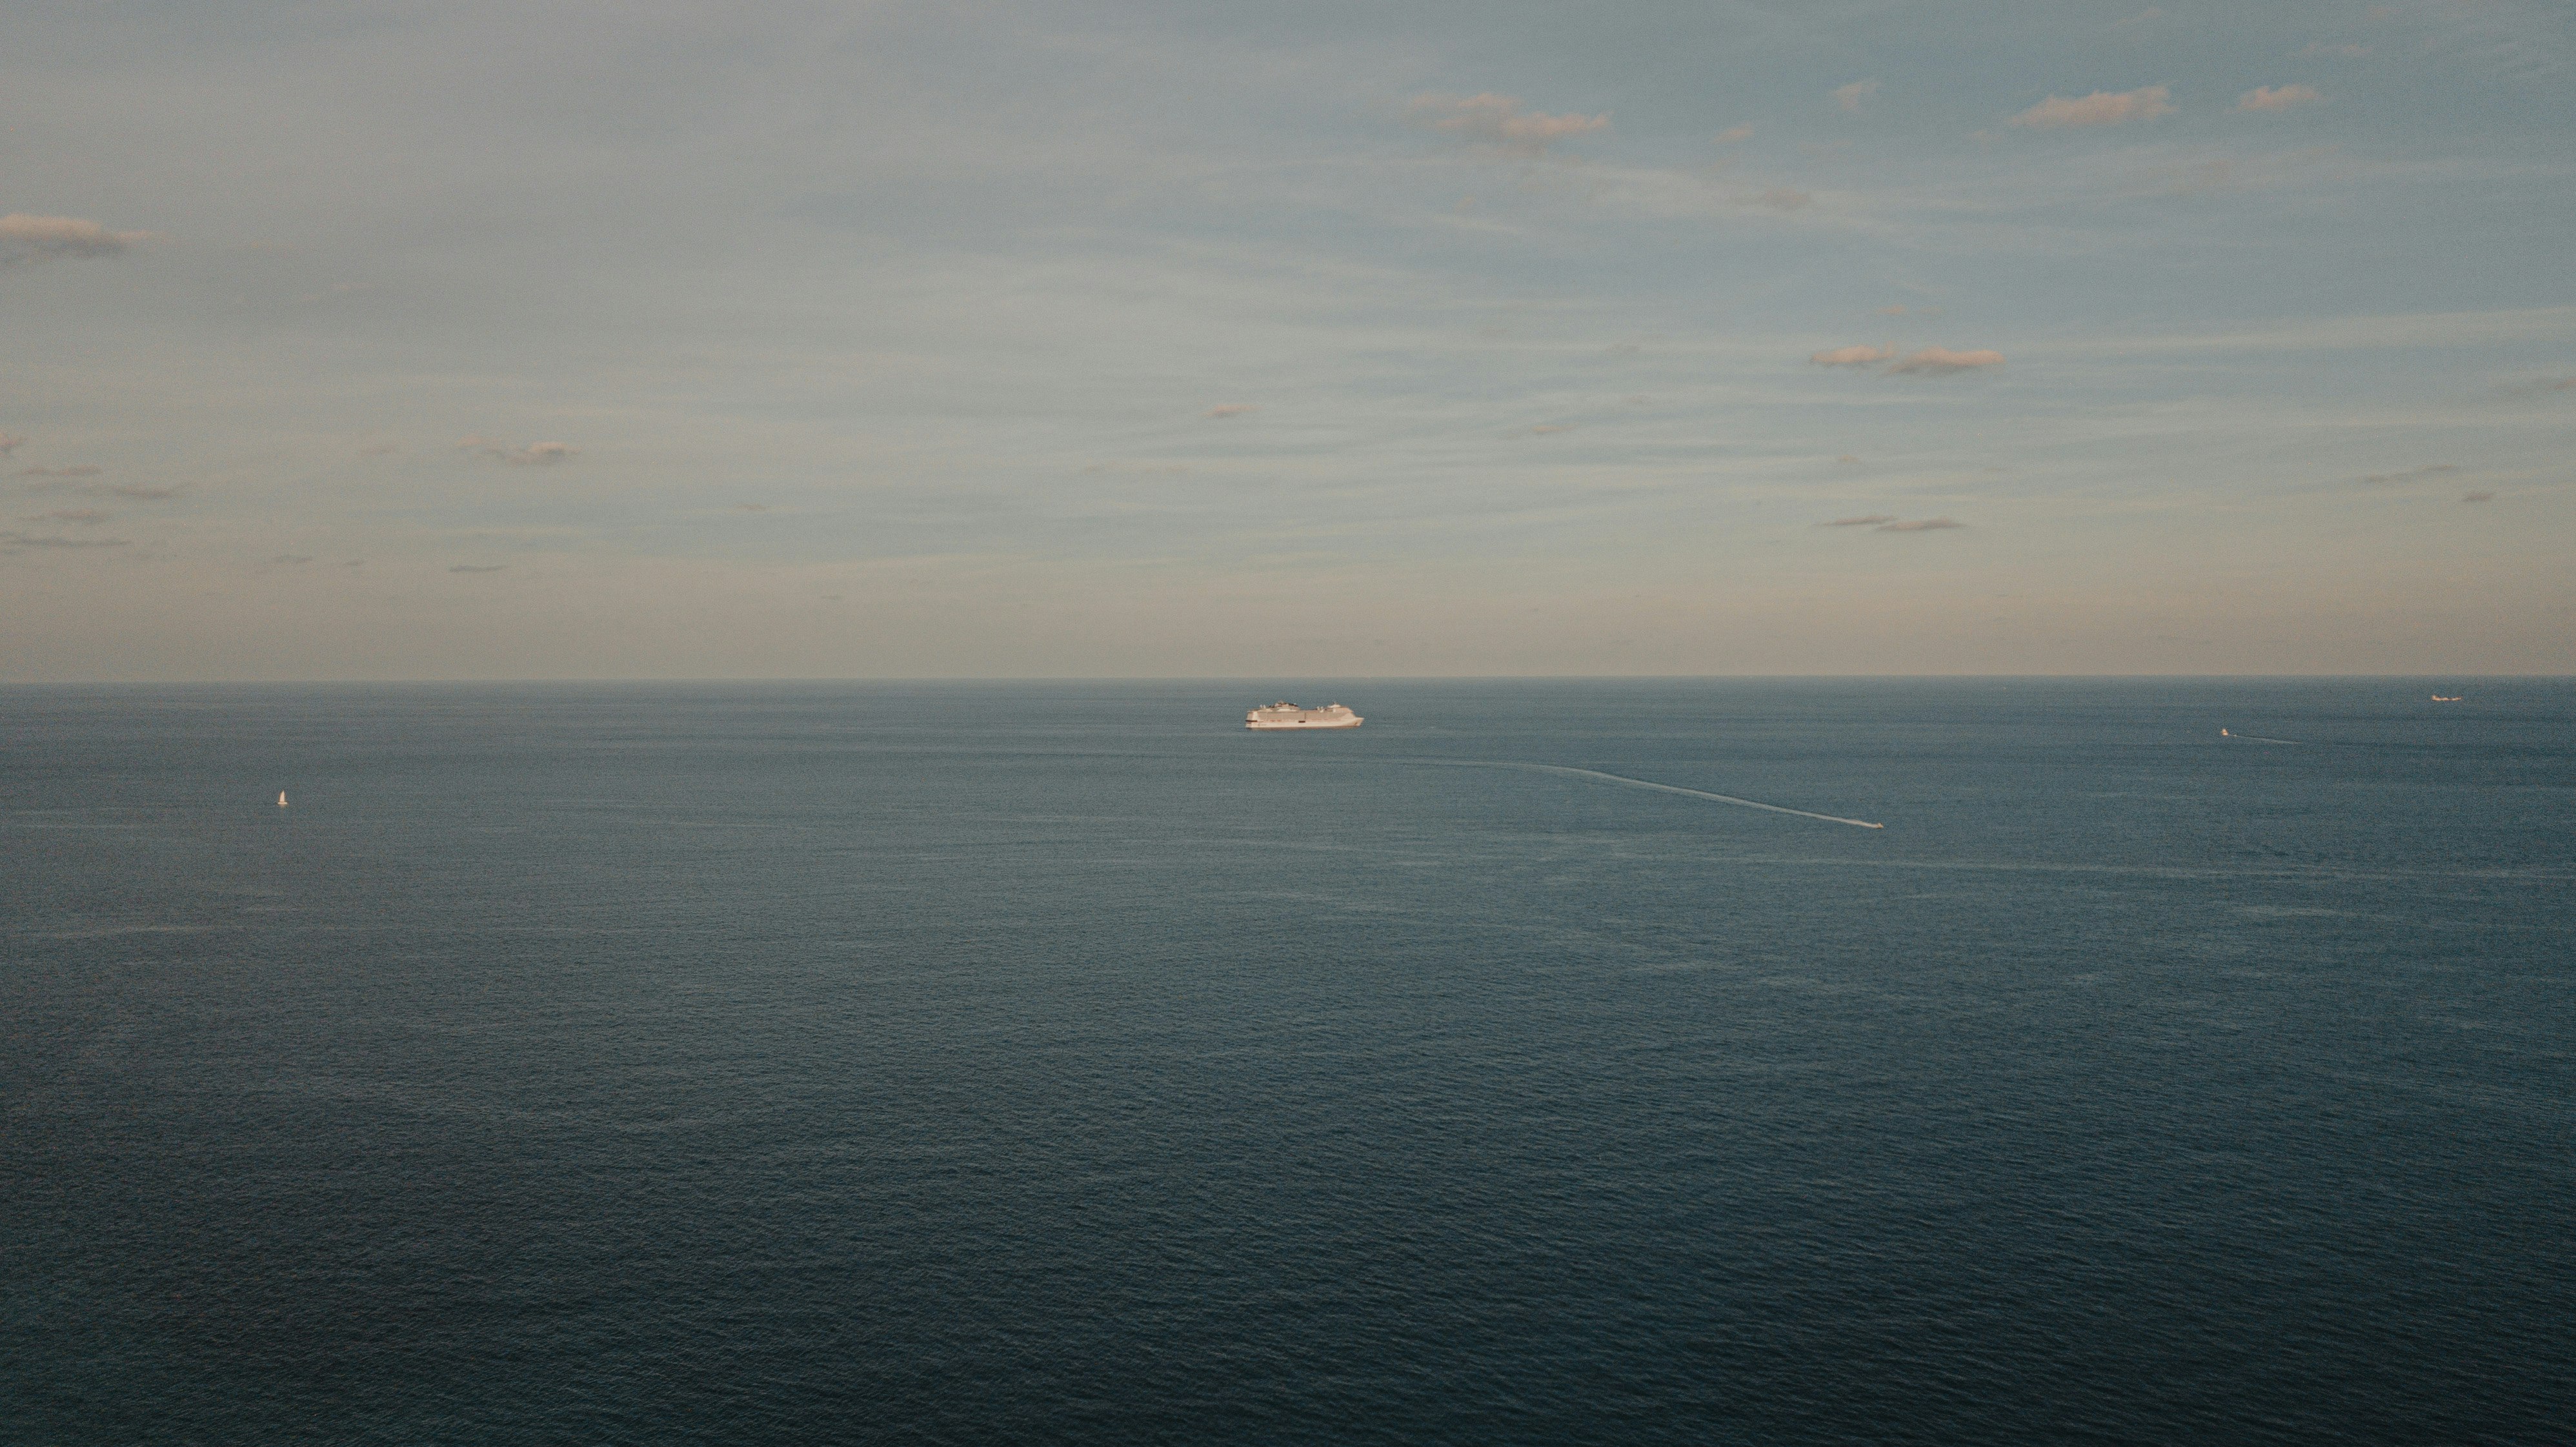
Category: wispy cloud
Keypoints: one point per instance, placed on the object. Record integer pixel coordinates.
(2101, 108)
(10, 541)
(10, 442)
(77, 470)
(144, 491)
(2477, 497)
(751, 507)
(2152, 12)
(378, 449)
(478, 567)
(535, 454)
(1499, 120)
(1870, 520)
(2276, 97)
(1941, 361)
(85, 516)
(2435, 470)
(25, 238)
(1232, 409)
(1782, 198)
(1853, 356)
(290, 559)
(1545, 429)
(1920, 525)
(2345, 50)
(1732, 134)
(1855, 95)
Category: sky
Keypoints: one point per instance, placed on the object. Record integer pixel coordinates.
(637, 340)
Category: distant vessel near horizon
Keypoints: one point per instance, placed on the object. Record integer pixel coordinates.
(2447, 698)
(1285, 715)
(281, 798)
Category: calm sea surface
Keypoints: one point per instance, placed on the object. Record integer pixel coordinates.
(1062, 1063)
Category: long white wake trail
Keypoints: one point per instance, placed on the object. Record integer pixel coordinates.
(1664, 789)
(2255, 738)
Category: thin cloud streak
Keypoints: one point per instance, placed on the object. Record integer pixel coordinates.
(2101, 108)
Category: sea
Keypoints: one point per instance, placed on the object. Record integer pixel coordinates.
(1063, 1063)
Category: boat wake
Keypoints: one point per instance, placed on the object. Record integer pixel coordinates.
(2255, 738)
(1658, 788)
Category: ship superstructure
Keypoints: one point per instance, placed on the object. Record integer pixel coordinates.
(1285, 715)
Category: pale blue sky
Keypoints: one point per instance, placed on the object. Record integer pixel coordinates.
(529, 340)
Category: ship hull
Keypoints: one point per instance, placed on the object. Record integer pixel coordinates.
(1339, 723)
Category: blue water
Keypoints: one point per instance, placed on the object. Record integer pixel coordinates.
(1062, 1063)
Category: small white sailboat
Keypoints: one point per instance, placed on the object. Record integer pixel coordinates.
(2222, 733)
(281, 798)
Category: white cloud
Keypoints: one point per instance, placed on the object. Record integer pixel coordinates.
(25, 238)
(1732, 134)
(1232, 409)
(1498, 120)
(1783, 198)
(2276, 98)
(535, 454)
(1941, 361)
(2101, 108)
(1853, 356)
(1855, 95)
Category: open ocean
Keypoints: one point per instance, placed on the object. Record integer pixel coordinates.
(1063, 1063)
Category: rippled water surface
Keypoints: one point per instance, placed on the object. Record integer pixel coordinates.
(1063, 1063)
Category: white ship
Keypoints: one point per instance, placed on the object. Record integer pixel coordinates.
(1285, 715)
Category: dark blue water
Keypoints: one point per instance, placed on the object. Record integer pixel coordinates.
(1063, 1063)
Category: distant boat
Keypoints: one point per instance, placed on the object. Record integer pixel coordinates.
(281, 798)
(2222, 733)
(1286, 715)
(2451, 698)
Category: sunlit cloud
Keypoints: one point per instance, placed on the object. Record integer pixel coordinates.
(1855, 95)
(1941, 361)
(2276, 98)
(535, 454)
(1853, 356)
(1732, 134)
(2101, 108)
(25, 238)
(1231, 409)
(1498, 120)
